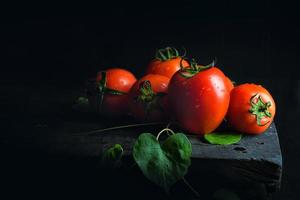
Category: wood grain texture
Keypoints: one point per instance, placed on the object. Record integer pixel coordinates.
(256, 159)
(59, 131)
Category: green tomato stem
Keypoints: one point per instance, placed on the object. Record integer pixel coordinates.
(260, 109)
(167, 53)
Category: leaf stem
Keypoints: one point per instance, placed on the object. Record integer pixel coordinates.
(94, 132)
(191, 188)
(165, 129)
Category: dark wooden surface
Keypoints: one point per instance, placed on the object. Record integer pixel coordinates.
(255, 160)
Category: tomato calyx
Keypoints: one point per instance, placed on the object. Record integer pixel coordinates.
(167, 53)
(193, 68)
(102, 89)
(148, 98)
(260, 109)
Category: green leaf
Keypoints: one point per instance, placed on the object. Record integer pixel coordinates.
(113, 154)
(163, 164)
(224, 194)
(223, 138)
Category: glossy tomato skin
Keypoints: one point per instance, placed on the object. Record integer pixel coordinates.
(239, 116)
(159, 84)
(200, 102)
(166, 68)
(117, 79)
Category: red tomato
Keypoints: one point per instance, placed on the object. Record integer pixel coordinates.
(109, 94)
(166, 63)
(147, 98)
(251, 109)
(199, 97)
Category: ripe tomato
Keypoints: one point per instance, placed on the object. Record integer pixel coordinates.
(167, 62)
(251, 109)
(147, 98)
(109, 92)
(199, 97)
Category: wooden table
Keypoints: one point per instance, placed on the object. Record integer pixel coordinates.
(255, 162)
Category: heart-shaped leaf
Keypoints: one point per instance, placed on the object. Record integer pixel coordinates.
(163, 164)
(223, 138)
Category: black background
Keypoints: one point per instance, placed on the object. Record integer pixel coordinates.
(62, 45)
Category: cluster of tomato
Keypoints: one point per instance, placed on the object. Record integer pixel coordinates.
(198, 97)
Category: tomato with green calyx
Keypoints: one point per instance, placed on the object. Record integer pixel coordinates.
(199, 97)
(251, 109)
(147, 98)
(108, 94)
(166, 62)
